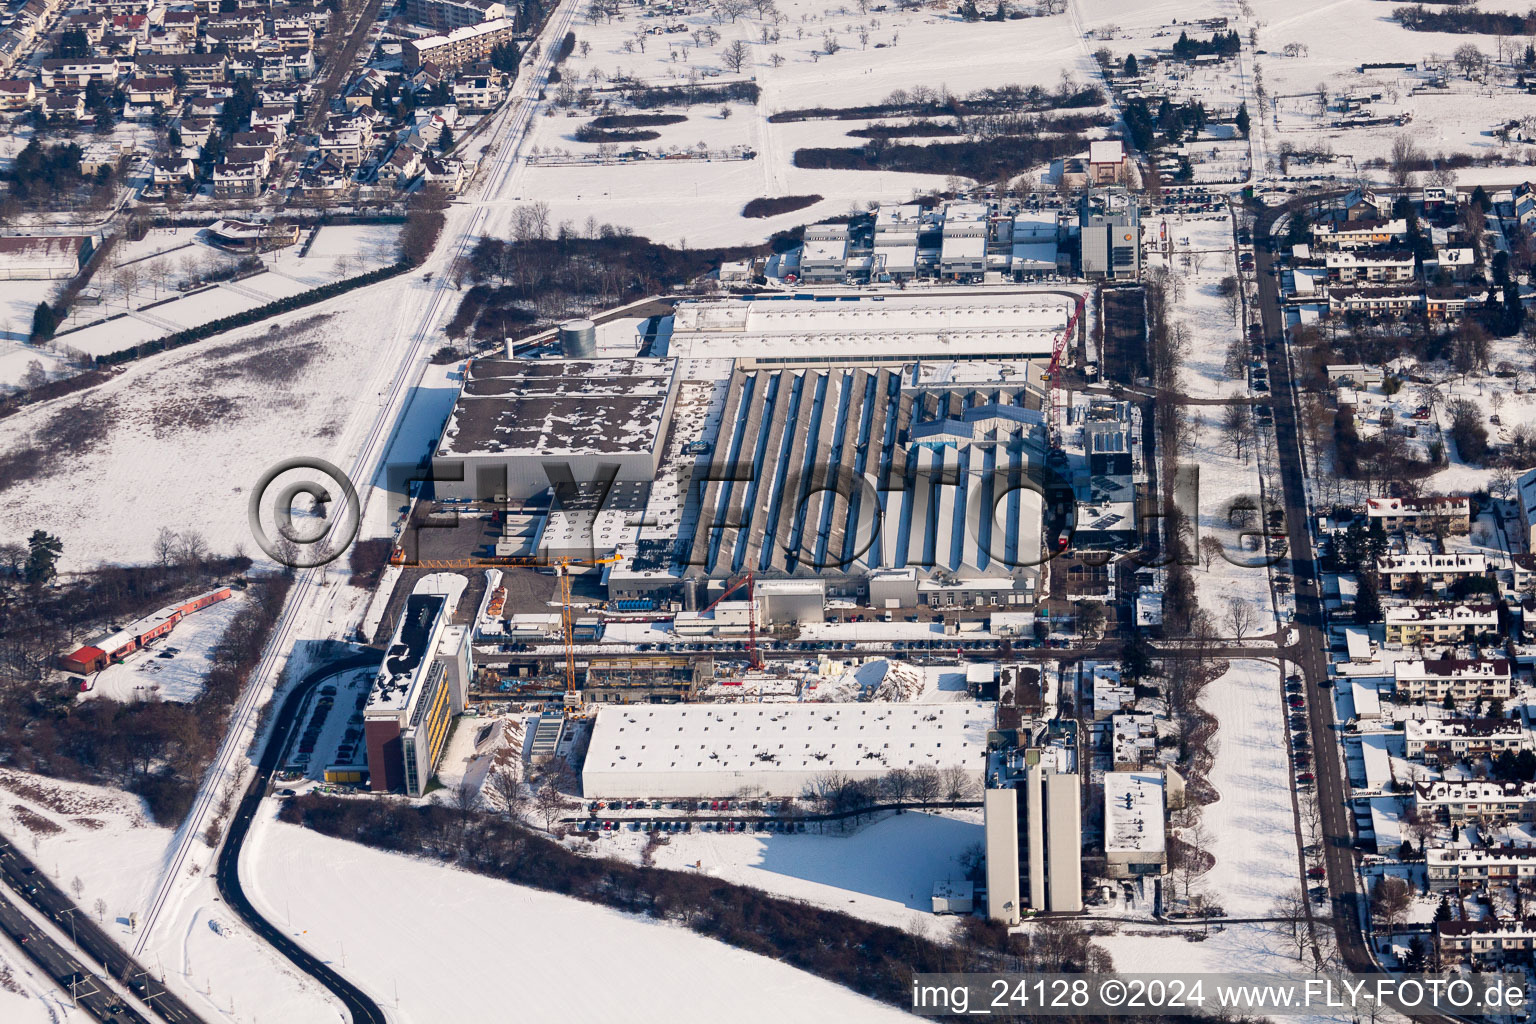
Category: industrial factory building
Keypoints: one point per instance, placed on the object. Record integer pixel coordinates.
(521, 426)
(851, 329)
(709, 750)
(841, 473)
(881, 448)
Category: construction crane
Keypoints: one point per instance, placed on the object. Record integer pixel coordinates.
(1056, 397)
(754, 658)
(563, 567)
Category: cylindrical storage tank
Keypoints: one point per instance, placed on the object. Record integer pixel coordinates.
(691, 594)
(578, 339)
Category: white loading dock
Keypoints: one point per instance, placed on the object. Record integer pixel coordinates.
(707, 750)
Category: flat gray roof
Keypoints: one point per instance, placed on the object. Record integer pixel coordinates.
(559, 407)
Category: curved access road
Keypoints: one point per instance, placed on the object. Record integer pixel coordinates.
(362, 1009)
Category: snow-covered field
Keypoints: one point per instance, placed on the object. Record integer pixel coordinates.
(178, 439)
(1252, 825)
(411, 934)
(701, 201)
(882, 871)
(148, 272)
(1239, 573)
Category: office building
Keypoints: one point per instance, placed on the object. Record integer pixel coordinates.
(1034, 828)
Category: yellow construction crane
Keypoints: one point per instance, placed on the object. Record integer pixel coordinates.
(561, 565)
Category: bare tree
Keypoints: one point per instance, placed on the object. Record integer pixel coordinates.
(958, 783)
(1404, 160)
(736, 56)
(100, 906)
(1211, 548)
(1237, 429)
(506, 786)
(1290, 913)
(550, 805)
(1240, 616)
(926, 784)
(1390, 901)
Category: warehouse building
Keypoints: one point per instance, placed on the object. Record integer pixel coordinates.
(137, 635)
(862, 328)
(709, 750)
(422, 683)
(521, 426)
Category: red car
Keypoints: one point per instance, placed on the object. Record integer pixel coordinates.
(1307, 778)
(1317, 872)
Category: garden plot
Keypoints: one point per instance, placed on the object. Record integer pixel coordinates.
(1455, 120)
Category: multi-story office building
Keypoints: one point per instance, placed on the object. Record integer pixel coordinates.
(1034, 826)
(421, 685)
(1109, 227)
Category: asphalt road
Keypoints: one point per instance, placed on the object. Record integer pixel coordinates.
(27, 883)
(362, 1009)
(1311, 652)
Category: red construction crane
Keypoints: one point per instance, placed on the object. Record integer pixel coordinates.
(753, 657)
(1056, 397)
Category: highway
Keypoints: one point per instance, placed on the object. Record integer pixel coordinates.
(1311, 651)
(358, 1005)
(30, 884)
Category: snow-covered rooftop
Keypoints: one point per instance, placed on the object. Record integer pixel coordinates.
(1133, 812)
(559, 407)
(797, 738)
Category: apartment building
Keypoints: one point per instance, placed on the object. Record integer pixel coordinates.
(1450, 868)
(1439, 622)
(1486, 941)
(447, 15)
(1460, 801)
(1396, 571)
(1370, 266)
(460, 47)
(1452, 513)
(1448, 740)
(1461, 679)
